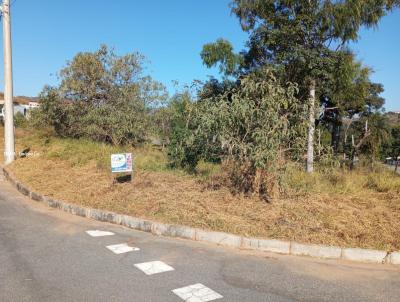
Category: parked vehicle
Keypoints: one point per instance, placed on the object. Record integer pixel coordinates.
(23, 109)
(392, 161)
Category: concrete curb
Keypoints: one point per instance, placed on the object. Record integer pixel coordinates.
(365, 255)
(318, 251)
(219, 238)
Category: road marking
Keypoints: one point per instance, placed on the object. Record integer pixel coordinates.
(154, 267)
(196, 293)
(97, 233)
(121, 248)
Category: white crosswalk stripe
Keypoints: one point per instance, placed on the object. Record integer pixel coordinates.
(97, 233)
(196, 293)
(192, 293)
(122, 248)
(154, 267)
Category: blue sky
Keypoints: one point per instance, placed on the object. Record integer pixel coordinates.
(46, 33)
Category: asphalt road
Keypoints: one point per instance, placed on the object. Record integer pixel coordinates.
(46, 255)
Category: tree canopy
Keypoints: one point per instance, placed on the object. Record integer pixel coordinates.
(102, 96)
(306, 42)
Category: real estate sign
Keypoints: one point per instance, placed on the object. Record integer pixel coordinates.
(121, 162)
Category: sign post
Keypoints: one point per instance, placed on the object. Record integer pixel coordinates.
(122, 163)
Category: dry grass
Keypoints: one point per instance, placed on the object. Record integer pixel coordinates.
(342, 208)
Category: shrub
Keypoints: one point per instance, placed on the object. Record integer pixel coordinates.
(251, 128)
(103, 97)
(188, 142)
(19, 120)
(207, 169)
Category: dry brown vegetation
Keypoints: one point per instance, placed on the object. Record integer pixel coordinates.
(359, 208)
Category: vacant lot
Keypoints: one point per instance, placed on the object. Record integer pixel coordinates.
(360, 208)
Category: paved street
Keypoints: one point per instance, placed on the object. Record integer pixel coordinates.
(47, 255)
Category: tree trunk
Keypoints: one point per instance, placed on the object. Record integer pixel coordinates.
(397, 164)
(353, 159)
(357, 147)
(336, 129)
(311, 129)
(319, 143)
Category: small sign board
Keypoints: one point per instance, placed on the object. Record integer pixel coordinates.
(121, 162)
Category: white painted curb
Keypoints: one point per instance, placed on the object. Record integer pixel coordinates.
(313, 250)
(395, 258)
(230, 240)
(365, 255)
(218, 238)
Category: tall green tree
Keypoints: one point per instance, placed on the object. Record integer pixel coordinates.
(350, 95)
(103, 96)
(301, 38)
(251, 128)
(394, 147)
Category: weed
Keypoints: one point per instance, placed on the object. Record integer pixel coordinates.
(332, 206)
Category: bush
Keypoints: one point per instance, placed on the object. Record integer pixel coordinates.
(188, 143)
(19, 120)
(251, 128)
(208, 170)
(103, 97)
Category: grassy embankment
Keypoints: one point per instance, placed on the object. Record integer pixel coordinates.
(360, 208)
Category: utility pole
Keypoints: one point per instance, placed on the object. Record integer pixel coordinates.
(9, 150)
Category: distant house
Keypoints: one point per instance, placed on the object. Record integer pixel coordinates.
(21, 105)
(33, 105)
(18, 108)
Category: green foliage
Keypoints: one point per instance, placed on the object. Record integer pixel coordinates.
(19, 120)
(52, 111)
(393, 147)
(257, 121)
(161, 122)
(351, 90)
(221, 52)
(306, 41)
(259, 124)
(349, 98)
(186, 147)
(251, 128)
(103, 97)
(380, 135)
(208, 170)
(296, 35)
